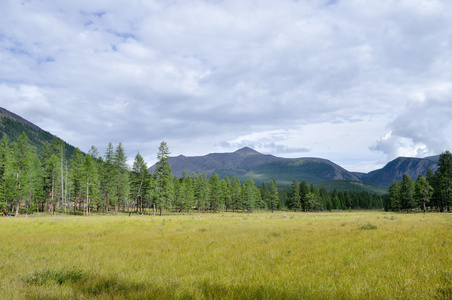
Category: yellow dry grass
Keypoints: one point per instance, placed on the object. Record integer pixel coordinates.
(344, 255)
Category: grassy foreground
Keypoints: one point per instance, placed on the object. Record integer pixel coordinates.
(344, 255)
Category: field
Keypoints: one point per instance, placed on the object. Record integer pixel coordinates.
(343, 255)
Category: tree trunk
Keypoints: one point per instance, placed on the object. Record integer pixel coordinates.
(116, 205)
(17, 208)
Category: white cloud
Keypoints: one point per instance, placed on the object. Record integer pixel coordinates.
(285, 76)
(423, 128)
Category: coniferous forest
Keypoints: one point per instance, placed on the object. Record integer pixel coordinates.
(48, 182)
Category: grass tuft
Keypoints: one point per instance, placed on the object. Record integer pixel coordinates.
(368, 226)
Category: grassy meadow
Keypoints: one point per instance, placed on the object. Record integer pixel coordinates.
(343, 255)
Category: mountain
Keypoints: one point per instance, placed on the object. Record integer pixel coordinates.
(246, 162)
(13, 125)
(395, 169)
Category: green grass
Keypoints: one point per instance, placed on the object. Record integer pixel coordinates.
(228, 256)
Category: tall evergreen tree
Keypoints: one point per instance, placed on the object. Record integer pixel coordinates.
(20, 169)
(139, 182)
(407, 193)
(295, 195)
(304, 191)
(91, 181)
(187, 192)
(422, 192)
(443, 182)
(121, 176)
(394, 196)
(108, 176)
(226, 193)
(76, 177)
(163, 175)
(4, 159)
(214, 191)
(274, 195)
(235, 193)
(250, 195)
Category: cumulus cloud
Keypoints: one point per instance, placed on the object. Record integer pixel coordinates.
(198, 73)
(423, 128)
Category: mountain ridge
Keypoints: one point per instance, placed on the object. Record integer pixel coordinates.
(247, 162)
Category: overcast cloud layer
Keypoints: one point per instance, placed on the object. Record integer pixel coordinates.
(356, 82)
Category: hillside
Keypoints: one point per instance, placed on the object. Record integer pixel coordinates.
(13, 125)
(395, 169)
(246, 162)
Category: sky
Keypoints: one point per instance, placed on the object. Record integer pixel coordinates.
(357, 82)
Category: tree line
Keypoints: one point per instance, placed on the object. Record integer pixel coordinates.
(433, 192)
(48, 182)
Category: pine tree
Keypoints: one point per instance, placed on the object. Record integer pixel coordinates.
(274, 195)
(295, 195)
(187, 192)
(4, 159)
(394, 196)
(422, 192)
(214, 191)
(139, 182)
(304, 191)
(407, 193)
(202, 189)
(90, 182)
(226, 193)
(108, 176)
(121, 176)
(76, 176)
(20, 169)
(250, 195)
(443, 182)
(163, 175)
(235, 193)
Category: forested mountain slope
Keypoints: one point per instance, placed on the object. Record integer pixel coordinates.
(395, 169)
(13, 125)
(246, 162)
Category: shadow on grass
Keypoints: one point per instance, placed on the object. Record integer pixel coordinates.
(49, 284)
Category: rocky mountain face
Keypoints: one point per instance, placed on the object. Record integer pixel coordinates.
(395, 169)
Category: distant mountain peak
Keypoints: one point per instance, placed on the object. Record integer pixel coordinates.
(246, 151)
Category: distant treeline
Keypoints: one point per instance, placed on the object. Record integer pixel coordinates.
(433, 192)
(48, 182)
